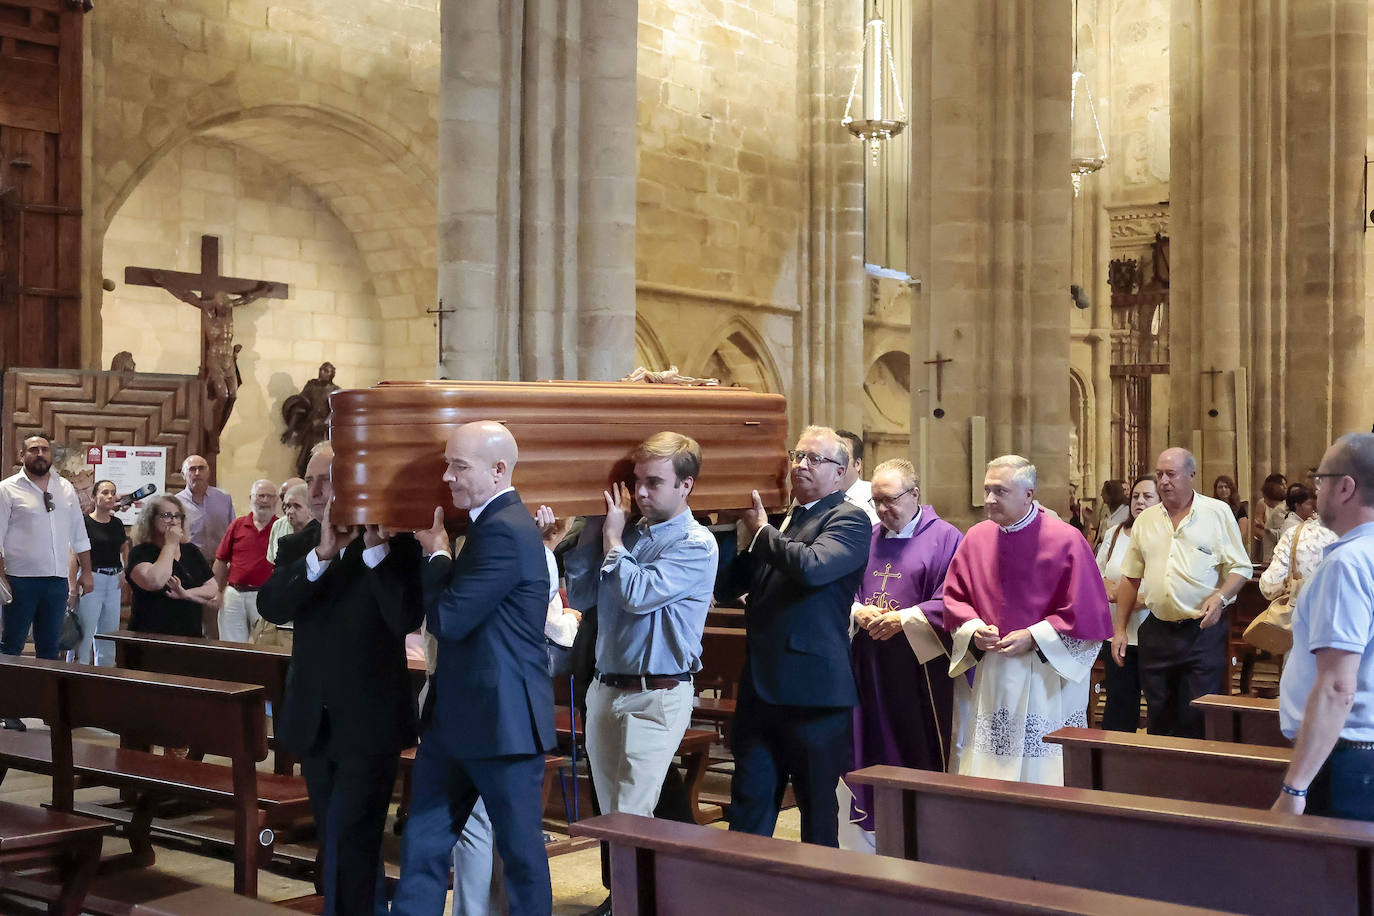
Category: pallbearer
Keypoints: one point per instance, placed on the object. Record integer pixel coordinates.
(899, 645)
(1024, 601)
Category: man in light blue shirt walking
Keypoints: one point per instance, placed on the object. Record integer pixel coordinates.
(1326, 695)
(651, 604)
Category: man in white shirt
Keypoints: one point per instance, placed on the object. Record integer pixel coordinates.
(857, 490)
(41, 526)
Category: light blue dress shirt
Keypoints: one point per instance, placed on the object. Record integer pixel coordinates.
(1335, 611)
(652, 599)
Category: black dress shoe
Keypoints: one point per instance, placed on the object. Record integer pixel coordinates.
(15, 725)
(603, 910)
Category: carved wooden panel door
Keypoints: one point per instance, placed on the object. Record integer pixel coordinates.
(40, 183)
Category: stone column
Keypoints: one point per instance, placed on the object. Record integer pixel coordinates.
(990, 241)
(830, 375)
(537, 188)
(1267, 142)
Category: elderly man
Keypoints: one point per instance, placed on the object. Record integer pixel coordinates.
(1023, 592)
(899, 656)
(349, 708)
(1326, 695)
(491, 696)
(41, 526)
(793, 718)
(1187, 560)
(284, 525)
(241, 564)
(209, 510)
(857, 490)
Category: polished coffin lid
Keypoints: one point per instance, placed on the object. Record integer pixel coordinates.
(574, 439)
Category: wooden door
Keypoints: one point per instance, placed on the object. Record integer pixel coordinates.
(40, 183)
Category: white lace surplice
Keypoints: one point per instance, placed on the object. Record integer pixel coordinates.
(1001, 723)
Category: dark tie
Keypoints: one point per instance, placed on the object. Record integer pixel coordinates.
(796, 520)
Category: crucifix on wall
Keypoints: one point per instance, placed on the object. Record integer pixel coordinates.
(216, 297)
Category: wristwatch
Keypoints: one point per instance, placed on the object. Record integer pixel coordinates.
(1227, 602)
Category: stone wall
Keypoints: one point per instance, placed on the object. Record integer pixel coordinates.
(1136, 99)
(272, 226)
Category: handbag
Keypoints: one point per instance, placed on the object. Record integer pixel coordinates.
(1272, 628)
(70, 635)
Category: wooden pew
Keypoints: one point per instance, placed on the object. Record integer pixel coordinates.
(145, 709)
(68, 842)
(664, 868)
(722, 660)
(1181, 852)
(1242, 719)
(1183, 768)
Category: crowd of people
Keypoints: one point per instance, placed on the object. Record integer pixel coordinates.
(877, 633)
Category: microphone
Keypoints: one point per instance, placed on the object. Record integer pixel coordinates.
(128, 499)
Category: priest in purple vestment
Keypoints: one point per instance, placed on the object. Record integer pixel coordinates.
(1023, 599)
(899, 648)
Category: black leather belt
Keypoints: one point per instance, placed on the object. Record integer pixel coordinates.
(1343, 744)
(244, 588)
(642, 681)
(109, 570)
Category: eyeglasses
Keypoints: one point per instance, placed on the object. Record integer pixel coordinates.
(878, 502)
(1316, 477)
(168, 516)
(48, 502)
(799, 458)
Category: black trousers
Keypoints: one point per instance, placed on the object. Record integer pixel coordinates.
(1344, 786)
(810, 746)
(1121, 713)
(1179, 662)
(349, 795)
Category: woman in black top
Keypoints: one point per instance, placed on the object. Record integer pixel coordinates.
(99, 610)
(172, 582)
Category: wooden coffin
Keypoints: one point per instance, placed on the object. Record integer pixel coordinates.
(575, 438)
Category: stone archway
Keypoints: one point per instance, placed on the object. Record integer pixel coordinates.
(887, 408)
(649, 350)
(739, 357)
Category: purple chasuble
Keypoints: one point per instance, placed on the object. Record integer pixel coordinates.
(905, 708)
(1011, 580)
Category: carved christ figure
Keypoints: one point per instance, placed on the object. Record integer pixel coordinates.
(216, 335)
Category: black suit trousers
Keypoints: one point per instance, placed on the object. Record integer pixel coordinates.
(812, 746)
(349, 795)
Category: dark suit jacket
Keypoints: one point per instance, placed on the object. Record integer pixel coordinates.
(491, 687)
(349, 649)
(801, 585)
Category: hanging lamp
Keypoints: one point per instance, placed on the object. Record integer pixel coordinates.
(883, 114)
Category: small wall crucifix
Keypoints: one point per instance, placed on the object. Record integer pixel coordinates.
(939, 363)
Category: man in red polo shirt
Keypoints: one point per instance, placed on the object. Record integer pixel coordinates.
(241, 564)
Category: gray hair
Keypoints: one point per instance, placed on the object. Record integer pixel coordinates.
(1357, 456)
(260, 482)
(1023, 472)
(906, 471)
(299, 492)
(842, 453)
(323, 447)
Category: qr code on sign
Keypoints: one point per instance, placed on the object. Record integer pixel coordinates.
(147, 468)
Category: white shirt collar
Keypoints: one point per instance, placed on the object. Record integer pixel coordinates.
(477, 510)
(908, 530)
(1025, 520)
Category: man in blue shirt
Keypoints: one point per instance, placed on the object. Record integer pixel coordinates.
(652, 603)
(1326, 695)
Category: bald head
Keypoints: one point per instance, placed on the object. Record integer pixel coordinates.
(481, 458)
(1174, 474)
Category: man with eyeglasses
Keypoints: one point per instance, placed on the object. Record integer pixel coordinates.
(1188, 561)
(793, 717)
(1326, 694)
(41, 526)
(899, 649)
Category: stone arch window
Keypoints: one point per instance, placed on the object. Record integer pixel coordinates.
(649, 351)
(741, 359)
(887, 393)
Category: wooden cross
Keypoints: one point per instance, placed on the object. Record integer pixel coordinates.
(208, 281)
(439, 314)
(939, 363)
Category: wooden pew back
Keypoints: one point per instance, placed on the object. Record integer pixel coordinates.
(1243, 720)
(205, 658)
(665, 868)
(1183, 852)
(1183, 768)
